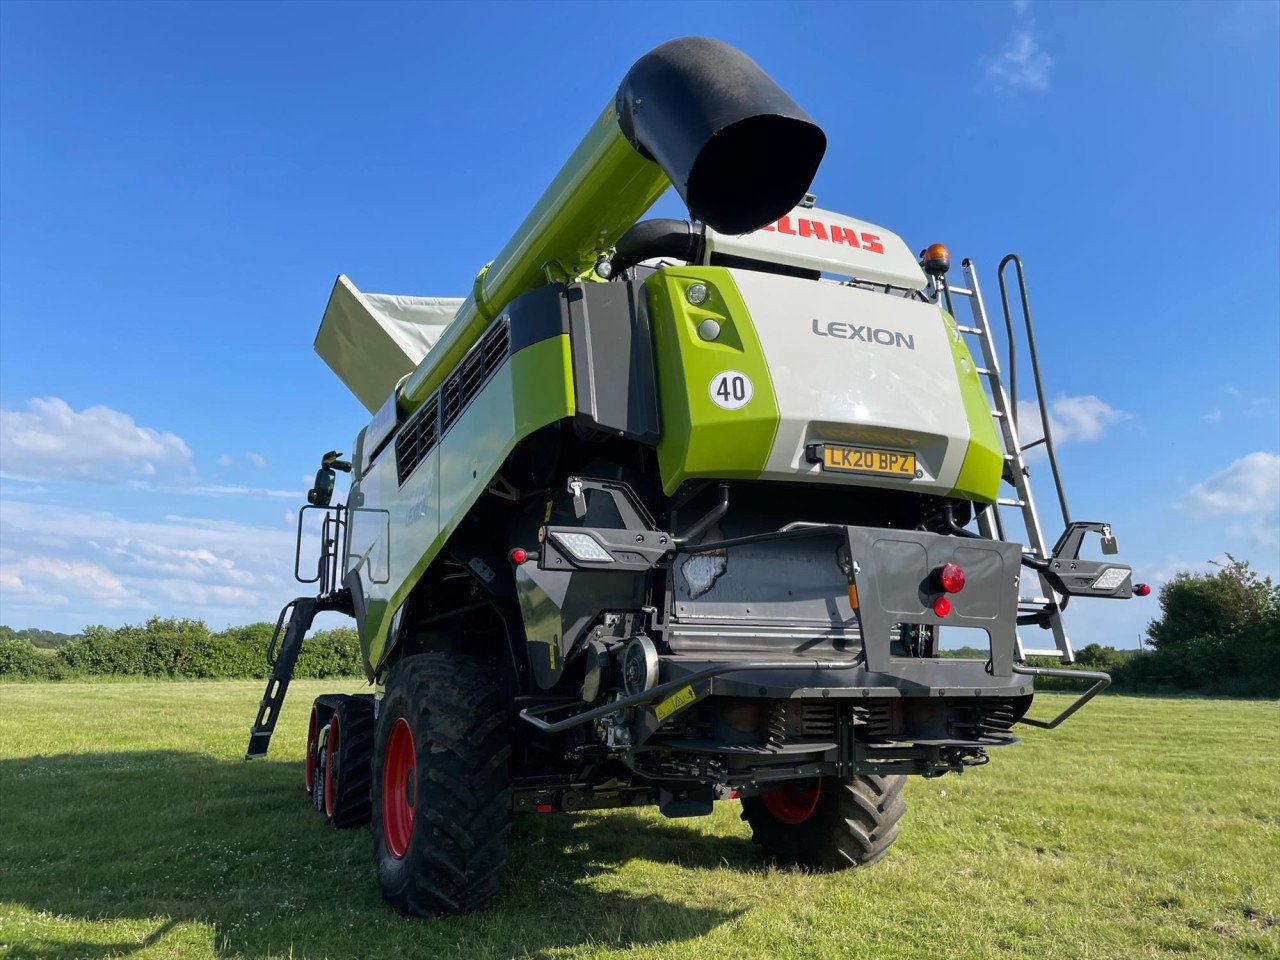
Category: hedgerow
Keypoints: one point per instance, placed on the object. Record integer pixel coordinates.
(178, 649)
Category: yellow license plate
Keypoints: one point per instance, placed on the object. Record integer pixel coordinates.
(890, 463)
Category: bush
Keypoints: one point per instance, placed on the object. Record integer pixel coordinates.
(20, 660)
(178, 648)
(1218, 633)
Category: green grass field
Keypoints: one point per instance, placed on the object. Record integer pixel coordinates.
(129, 826)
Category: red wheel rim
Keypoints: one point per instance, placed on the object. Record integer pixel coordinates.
(309, 775)
(397, 789)
(793, 803)
(330, 781)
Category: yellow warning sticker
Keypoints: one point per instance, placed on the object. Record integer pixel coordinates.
(681, 698)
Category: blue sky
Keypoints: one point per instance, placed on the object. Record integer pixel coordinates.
(179, 184)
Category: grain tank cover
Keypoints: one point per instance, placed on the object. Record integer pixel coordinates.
(371, 340)
(813, 239)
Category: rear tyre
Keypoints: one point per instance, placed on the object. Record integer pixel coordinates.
(314, 727)
(823, 824)
(441, 792)
(348, 763)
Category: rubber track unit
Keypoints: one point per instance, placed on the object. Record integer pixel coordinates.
(351, 801)
(460, 723)
(852, 825)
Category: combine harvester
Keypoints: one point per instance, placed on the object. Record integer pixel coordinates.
(669, 512)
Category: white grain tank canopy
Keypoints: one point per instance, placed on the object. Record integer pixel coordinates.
(812, 239)
(371, 340)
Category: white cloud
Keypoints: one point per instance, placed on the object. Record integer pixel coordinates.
(257, 459)
(88, 563)
(1250, 485)
(1022, 64)
(1020, 6)
(88, 579)
(51, 441)
(226, 460)
(236, 490)
(1078, 418)
(1213, 416)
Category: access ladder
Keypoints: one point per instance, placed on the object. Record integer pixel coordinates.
(1044, 607)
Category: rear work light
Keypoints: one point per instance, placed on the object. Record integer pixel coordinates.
(584, 547)
(951, 578)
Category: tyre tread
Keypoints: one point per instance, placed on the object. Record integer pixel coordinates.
(459, 720)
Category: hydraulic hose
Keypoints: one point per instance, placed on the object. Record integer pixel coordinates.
(678, 239)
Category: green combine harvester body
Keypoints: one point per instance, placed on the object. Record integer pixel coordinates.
(673, 512)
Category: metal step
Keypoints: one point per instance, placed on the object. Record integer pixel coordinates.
(283, 658)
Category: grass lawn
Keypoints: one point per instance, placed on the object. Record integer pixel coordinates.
(129, 826)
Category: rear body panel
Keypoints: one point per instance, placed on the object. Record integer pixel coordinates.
(826, 363)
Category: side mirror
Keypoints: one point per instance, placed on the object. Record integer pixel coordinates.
(321, 491)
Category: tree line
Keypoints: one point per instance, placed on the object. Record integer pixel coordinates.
(176, 649)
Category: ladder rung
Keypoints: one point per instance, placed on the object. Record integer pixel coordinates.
(997, 414)
(982, 371)
(1035, 600)
(1004, 502)
(960, 291)
(1055, 652)
(974, 330)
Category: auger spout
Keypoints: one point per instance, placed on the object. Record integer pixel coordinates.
(695, 113)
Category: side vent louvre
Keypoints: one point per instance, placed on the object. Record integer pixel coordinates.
(475, 370)
(416, 440)
(420, 435)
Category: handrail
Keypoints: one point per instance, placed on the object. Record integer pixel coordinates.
(331, 532)
(1102, 681)
(1035, 371)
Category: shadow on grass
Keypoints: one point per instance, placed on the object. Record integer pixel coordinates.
(167, 837)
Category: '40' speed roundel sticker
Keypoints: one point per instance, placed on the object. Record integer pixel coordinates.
(731, 389)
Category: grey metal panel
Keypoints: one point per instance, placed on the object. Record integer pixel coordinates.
(888, 568)
(557, 606)
(900, 567)
(797, 582)
(791, 597)
(613, 370)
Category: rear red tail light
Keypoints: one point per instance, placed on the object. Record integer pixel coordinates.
(951, 577)
(1141, 589)
(941, 607)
